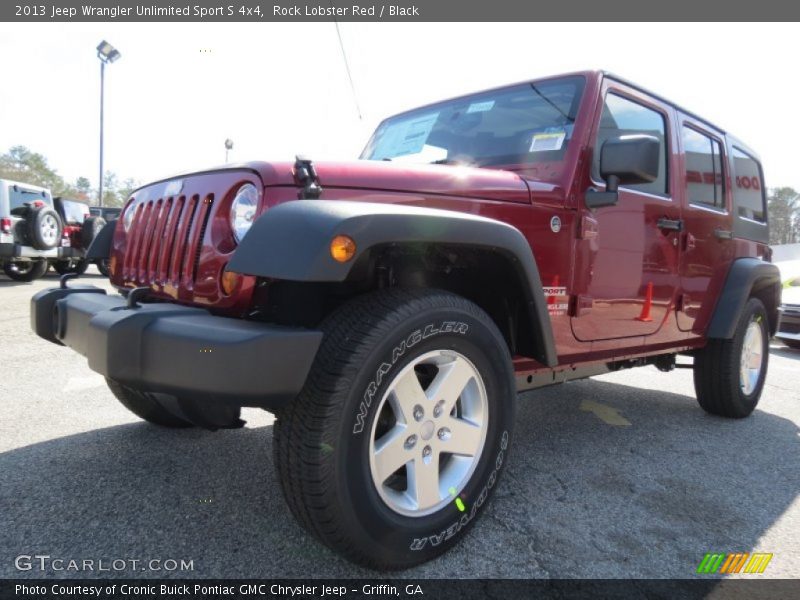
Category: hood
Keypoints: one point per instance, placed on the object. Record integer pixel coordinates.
(447, 180)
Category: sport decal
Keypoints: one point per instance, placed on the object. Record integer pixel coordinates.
(557, 299)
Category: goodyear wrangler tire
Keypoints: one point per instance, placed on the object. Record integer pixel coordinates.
(729, 374)
(394, 445)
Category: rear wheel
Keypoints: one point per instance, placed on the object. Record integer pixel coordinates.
(145, 406)
(44, 227)
(25, 271)
(89, 230)
(402, 429)
(729, 374)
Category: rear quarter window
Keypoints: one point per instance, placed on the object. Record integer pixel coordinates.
(749, 196)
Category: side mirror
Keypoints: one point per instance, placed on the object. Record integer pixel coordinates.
(628, 159)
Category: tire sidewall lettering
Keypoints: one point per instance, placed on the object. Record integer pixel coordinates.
(398, 352)
(461, 332)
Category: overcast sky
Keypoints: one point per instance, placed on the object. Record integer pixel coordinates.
(276, 90)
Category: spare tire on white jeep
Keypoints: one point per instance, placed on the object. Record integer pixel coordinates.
(44, 227)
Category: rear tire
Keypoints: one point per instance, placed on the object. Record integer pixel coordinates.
(390, 366)
(44, 227)
(729, 374)
(89, 230)
(25, 271)
(145, 406)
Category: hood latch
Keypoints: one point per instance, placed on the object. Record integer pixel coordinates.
(306, 174)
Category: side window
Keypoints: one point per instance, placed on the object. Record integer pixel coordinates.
(704, 178)
(625, 117)
(748, 190)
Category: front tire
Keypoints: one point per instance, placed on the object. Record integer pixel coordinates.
(25, 271)
(62, 267)
(395, 443)
(729, 374)
(103, 265)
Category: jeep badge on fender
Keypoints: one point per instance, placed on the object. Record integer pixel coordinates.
(389, 310)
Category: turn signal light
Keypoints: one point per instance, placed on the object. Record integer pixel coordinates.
(230, 281)
(343, 248)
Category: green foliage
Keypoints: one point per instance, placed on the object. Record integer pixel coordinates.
(23, 165)
(783, 207)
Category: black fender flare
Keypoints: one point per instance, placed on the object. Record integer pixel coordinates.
(291, 241)
(101, 244)
(747, 277)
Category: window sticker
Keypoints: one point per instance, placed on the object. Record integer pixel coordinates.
(545, 142)
(480, 106)
(411, 138)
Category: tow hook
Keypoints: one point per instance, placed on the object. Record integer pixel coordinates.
(65, 278)
(135, 295)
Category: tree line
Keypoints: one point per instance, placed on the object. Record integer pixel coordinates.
(23, 165)
(26, 166)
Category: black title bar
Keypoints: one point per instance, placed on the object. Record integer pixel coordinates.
(384, 589)
(402, 11)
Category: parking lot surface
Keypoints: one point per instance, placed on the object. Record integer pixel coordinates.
(618, 476)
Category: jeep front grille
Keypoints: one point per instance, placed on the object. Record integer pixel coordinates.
(165, 240)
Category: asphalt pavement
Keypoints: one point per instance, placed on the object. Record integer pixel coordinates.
(617, 476)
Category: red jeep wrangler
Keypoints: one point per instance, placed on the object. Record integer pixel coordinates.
(387, 311)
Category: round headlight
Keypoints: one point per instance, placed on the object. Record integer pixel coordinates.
(243, 210)
(127, 218)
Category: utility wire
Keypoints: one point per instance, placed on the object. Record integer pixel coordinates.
(347, 67)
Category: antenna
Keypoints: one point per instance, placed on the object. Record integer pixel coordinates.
(347, 66)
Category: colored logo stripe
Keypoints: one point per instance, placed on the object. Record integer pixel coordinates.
(710, 563)
(714, 562)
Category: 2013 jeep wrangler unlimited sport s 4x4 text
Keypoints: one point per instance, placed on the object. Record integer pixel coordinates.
(387, 311)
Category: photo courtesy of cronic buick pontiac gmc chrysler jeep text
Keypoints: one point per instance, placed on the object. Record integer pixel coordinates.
(388, 310)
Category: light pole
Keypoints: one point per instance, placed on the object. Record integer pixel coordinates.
(107, 54)
(228, 147)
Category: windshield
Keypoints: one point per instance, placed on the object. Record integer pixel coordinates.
(524, 124)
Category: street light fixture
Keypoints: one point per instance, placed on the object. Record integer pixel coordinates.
(228, 147)
(107, 54)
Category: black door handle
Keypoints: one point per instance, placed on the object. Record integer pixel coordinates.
(670, 224)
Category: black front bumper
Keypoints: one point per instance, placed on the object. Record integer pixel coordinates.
(178, 350)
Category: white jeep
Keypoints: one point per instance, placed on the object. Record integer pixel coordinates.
(30, 230)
